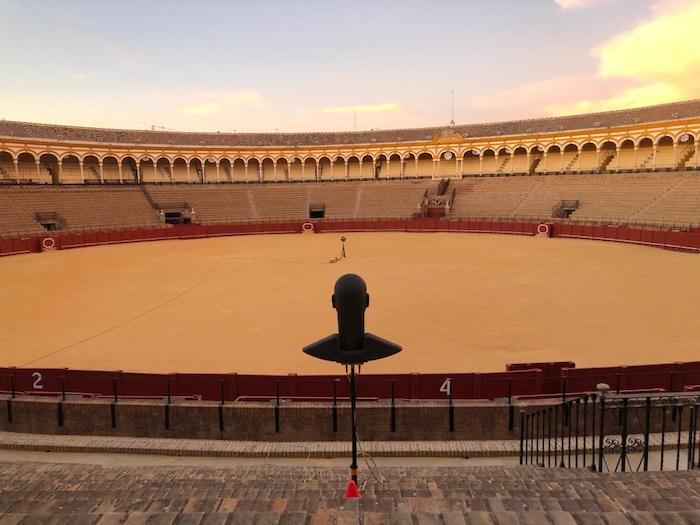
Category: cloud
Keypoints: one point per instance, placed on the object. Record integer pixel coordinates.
(210, 102)
(577, 4)
(665, 46)
(200, 109)
(655, 62)
(371, 108)
(541, 98)
(631, 98)
(661, 54)
(79, 76)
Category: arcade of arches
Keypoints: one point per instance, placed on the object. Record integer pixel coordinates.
(646, 153)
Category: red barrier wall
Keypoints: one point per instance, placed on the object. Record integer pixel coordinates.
(489, 385)
(688, 241)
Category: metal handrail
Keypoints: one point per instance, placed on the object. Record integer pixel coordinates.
(547, 434)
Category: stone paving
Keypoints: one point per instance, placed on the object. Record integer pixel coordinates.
(37, 493)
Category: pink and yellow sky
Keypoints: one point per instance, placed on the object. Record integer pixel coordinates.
(324, 65)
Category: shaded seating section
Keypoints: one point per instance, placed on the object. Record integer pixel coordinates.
(601, 197)
(490, 196)
(83, 208)
(626, 197)
(15, 220)
(623, 197)
(680, 203)
(214, 204)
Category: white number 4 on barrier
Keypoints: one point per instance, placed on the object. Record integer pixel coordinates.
(447, 386)
(37, 381)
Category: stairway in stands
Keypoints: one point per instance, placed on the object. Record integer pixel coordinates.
(647, 161)
(535, 160)
(437, 199)
(607, 158)
(658, 198)
(83, 493)
(685, 153)
(570, 165)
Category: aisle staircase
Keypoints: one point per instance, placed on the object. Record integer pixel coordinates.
(437, 200)
(535, 160)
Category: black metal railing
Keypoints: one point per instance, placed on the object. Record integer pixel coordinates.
(608, 432)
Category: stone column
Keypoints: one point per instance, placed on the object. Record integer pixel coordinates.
(527, 161)
(675, 154)
(561, 163)
(544, 162)
(580, 156)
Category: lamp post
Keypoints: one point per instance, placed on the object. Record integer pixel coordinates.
(351, 346)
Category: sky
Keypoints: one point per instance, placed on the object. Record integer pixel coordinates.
(331, 65)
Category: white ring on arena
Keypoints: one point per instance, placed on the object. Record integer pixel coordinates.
(543, 229)
(47, 243)
(307, 227)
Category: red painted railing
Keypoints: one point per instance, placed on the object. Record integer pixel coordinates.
(527, 380)
(672, 239)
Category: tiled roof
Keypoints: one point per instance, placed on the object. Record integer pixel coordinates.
(665, 112)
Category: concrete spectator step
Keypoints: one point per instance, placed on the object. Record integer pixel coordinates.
(82, 493)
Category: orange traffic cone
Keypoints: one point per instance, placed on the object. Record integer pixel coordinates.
(351, 491)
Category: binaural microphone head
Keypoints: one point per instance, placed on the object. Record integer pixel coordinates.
(350, 292)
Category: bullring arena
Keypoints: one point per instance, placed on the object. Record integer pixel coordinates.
(541, 275)
(248, 304)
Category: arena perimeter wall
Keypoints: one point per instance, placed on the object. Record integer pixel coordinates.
(670, 239)
(518, 382)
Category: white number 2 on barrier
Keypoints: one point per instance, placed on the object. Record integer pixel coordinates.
(447, 386)
(37, 381)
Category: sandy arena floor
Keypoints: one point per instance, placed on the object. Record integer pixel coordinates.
(456, 302)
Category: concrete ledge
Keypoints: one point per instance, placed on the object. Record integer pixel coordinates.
(262, 449)
(253, 449)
